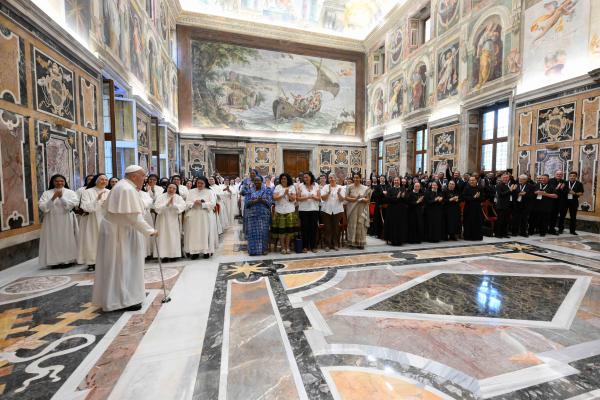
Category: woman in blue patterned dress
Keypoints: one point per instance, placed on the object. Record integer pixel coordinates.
(258, 209)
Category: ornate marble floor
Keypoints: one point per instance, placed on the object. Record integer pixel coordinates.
(497, 319)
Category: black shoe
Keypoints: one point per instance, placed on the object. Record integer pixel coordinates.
(553, 233)
(574, 233)
(560, 231)
(525, 235)
(205, 256)
(195, 256)
(91, 268)
(542, 234)
(135, 307)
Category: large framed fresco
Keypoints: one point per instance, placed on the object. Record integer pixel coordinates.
(556, 37)
(447, 72)
(252, 89)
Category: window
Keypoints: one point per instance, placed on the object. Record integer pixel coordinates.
(426, 29)
(494, 138)
(378, 60)
(421, 140)
(380, 157)
(419, 28)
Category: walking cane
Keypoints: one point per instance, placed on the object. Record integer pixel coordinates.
(166, 298)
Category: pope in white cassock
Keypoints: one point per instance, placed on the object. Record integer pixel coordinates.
(119, 282)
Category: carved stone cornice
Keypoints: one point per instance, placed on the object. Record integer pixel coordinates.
(268, 31)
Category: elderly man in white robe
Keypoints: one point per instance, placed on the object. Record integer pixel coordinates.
(119, 283)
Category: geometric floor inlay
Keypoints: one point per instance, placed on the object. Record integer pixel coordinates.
(494, 296)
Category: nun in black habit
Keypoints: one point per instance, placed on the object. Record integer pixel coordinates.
(452, 211)
(395, 224)
(473, 195)
(434, 213)
(416, 202)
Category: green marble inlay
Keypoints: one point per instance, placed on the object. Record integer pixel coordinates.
(492, 296)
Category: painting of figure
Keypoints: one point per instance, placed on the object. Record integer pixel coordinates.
(395, 47)
(487, 63)
(447, 12)
(163, 22)
(396, 104)
(447, 84)
(418, 87)
(78, 17)
(137, 49)
(556, 35)
(111, 24)
(377, 108)
(124, 20)
(553, 19)
(253, 89)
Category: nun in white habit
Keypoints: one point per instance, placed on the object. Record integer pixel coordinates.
(148, 207)
(92, 200)
(58, 239)
(119, 283)
(201, 234)
(168, 207)
(152, 188)
(223, 215)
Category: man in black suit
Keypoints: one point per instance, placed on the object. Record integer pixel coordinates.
(502, 199)
(574, 190)
(522, 197)
(560, 187)
(544, 202)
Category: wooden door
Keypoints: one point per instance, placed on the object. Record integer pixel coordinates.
(296, 161)
(228, 165)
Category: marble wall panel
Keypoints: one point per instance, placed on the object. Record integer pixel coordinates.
(172, 151)
(12, 67)
(54, 87)
(87, 103)
(90, 155)
(342, 161)
(525, 123)
(556, 124)
(193, 158)
(524, 162)
(49, 105)
(263, 157)
(588, 172)
(565, 130)
(58, 152)
(549, 161)
(15, 172)
(590, 127)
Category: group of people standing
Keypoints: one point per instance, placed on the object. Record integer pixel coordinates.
(449, 206)
(303, 209)
(199, 211)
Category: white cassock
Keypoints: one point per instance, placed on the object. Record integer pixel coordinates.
(58, 239)
(155, 191)
(201, 234)
(148, 207)
(183, 191)
(223, 222)
(233, 203)
(89, 225)
(167, 223)
(119, 279)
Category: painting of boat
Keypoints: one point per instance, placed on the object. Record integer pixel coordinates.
(307, 106)
(245, 88)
